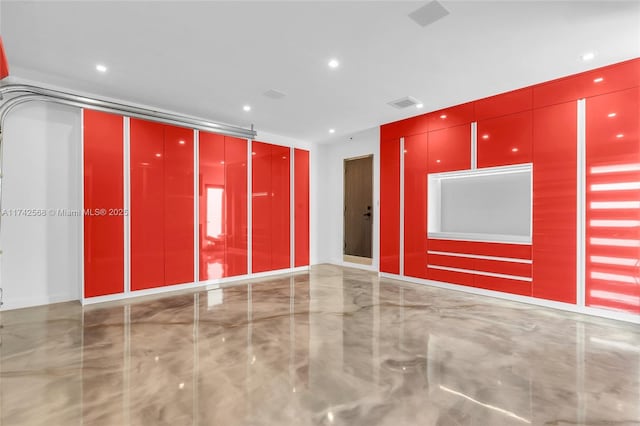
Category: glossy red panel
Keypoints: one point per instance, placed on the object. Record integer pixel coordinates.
(280, 207)
(501, 267)
(504, 104)
(4, 64)
(623, 75)
(103, 189)
(261, 206)
(147, 204)
(613, 201)
(301, 197)
(504, 285)
(390, 206)
(451, 117)
(505, 140)
(450, 261)
(415, 206)
(554, 202)
(514, 251)
(235, 200)
(212, 206)
(407, 127)
(449, 149)
(451, 277)
(178, 205)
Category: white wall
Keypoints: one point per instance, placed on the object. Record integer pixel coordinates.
(327, 177)
(41, 260)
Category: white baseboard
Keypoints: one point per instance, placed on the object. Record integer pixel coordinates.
(37, 301)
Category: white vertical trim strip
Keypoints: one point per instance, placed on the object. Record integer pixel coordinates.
(292, 207)
(401, 269)
(82, 207)
(126, 143)
(474, 145)
(249, 207)
(581, 199)
(196, 203)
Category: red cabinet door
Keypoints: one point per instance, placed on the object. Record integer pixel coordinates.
(390, 206)
(612, 273)
(554, 202)
(211, 207)
(449, 149)
(235, 201)
(261, 211)
(505, 140)
(178, 205)
(415, 206)
(504, 104)
(301, 198)
(280, 207)
(147, 204)
(451, 117)
(103, 189)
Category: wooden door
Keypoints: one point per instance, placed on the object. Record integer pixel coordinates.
(358, 206)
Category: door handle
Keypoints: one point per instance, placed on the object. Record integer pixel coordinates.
(368, 214)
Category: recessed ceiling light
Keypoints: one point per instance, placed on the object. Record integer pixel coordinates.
(598, 80)
(610, 115)
(443, 116)
(419, 106)
(333, 63)
(246, 108)
(332, 130)
(101, 68)
(588, 56)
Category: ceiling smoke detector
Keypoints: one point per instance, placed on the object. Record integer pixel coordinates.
(429, 13)
(405, 102)
(274, 94)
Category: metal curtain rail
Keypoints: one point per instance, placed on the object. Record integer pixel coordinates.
(27, 93)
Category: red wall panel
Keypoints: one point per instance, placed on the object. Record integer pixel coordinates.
(504, 104)
(103, 189)
(504, 285)
(271, 208)
(451, 117)
(612, 275)
(505, 140)
(454, 277)
(623, 75)
(147, 204)
(178, 205)
(390, 205)
(280, 207)
(211, 206)
(301, 197)
(554, 202)
(514, 251)
(415, 208)
(449, 149)
(235, 200)
(261, 206)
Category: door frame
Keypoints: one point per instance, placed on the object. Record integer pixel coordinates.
(367, 261)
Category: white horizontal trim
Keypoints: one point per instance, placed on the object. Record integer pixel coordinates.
(483, 238)
(30, 302)
(568, 307)
(479, 256)
(486, 274)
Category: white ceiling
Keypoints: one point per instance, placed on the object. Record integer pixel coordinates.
(210, 58)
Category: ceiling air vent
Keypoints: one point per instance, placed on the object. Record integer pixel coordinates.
(274, 94)
(429, 13)
(405, 102)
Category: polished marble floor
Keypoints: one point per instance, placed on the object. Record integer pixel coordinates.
(334, 346)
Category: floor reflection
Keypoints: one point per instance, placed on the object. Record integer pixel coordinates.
(334, 346)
